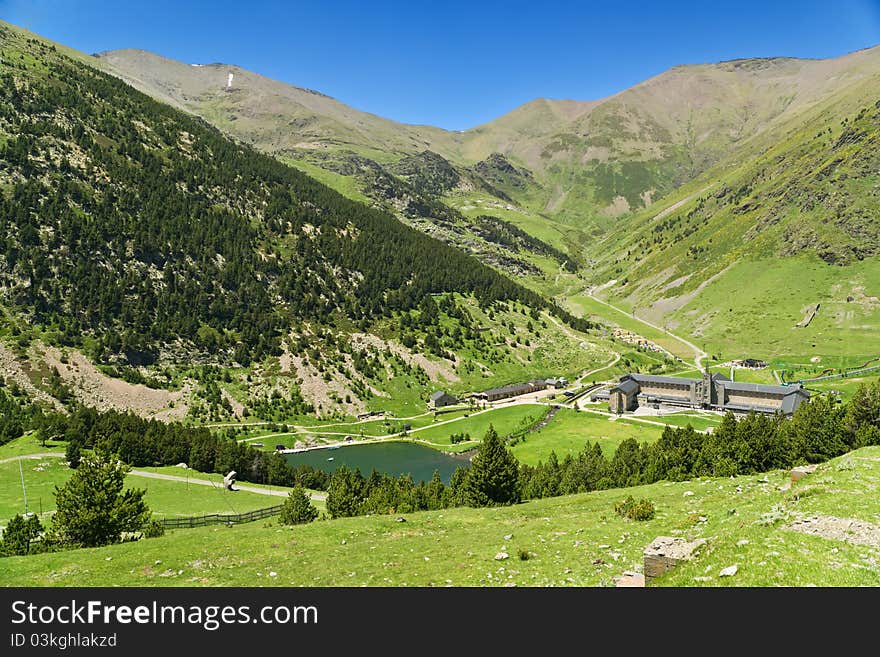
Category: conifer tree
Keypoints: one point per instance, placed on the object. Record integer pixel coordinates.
(493, 478)
(298, 508)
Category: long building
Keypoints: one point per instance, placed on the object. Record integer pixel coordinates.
(712, 391)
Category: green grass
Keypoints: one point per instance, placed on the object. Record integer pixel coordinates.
(569, 431)
(574, 540)
(742, 323)
(586, 305)
(506, 420)
(165, 498)
(28, 444)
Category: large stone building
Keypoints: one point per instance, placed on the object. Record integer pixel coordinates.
(712, 391)
(512, 390)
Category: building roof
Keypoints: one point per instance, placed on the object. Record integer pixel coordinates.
(752, 407)
(626, 387)
(440, 394)
(765, 388)
(719, 377)
(652, 378)
(512, 388)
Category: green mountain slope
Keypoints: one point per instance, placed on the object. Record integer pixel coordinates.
(738, 256)
(576, 540)
(591, 159)
(139, 235)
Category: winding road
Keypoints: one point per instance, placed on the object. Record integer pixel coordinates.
(699, 354)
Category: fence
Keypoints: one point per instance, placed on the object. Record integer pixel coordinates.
(220, 518)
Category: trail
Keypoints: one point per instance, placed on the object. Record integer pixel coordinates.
(699, 354)
(46, 455)
(208, 482)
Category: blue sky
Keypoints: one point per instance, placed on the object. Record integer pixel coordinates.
(456, 64)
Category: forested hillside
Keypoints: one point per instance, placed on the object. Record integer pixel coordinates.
(135, 226)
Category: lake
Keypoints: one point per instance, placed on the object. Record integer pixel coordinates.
(393, 458)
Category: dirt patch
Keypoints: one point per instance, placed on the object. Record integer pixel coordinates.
(663, 306)
(10, 369)
(433, 369)
(316, 390)
(237, 406)
(94, 388)
(617, 207)
(848, 530)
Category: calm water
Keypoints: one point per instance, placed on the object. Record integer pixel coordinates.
(393, 458)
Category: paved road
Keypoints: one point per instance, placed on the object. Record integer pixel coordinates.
(206, 482)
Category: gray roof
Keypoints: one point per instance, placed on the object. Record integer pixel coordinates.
(719, 377)
(751, 407)
(764, 388)
(652, 378)
(439, 395)
(627, 387)
(512, 388)
(790, 403)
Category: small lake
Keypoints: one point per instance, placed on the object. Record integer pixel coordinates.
(393, 458)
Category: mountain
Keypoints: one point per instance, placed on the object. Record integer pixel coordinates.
(145, 239)
(785, 223)
(590, 159)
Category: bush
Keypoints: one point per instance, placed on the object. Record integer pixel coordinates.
(154, 529)
(635, 510)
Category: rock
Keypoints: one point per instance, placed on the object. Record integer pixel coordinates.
(501, 556)
(802, 471)
(598, 562)
(273, 574)
(730, 571)
(343, 541)
(666, 552)
(604, 546)
(507, 537)
(629, 580)
(108, 559)
(400, 519)
(742, 541)
(687, 493)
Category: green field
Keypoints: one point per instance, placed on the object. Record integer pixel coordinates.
(586, 305)
(574, 540)
(165, 498)
(506, 420)
(738, 321)
(569, 431)
(28, 444)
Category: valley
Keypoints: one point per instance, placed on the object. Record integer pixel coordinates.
(204, 270)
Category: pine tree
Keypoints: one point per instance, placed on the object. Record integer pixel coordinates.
(19, 533)
(493, 478)
(93, 509)
(298, 508)
(345, 493)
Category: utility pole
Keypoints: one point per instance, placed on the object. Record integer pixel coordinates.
(23, 489)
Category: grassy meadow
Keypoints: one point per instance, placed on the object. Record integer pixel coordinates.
(574, 540)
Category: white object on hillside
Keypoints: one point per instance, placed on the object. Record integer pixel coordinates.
(229, 81)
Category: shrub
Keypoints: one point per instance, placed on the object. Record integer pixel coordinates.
(635, 510)
(154, 529)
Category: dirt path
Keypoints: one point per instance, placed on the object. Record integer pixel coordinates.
(675, 206)
(45, 455)
(699, 354)
(207, 482)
